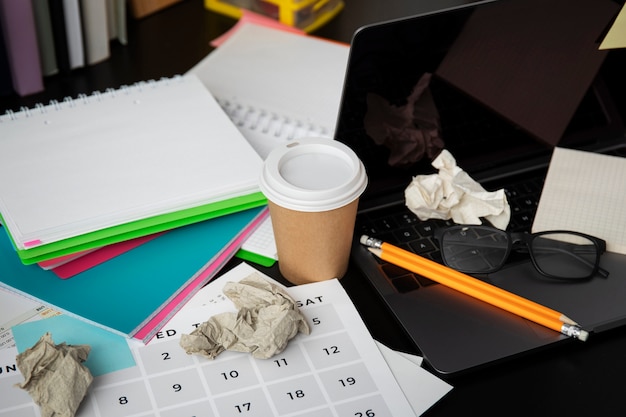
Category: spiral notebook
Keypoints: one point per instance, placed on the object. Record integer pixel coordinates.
(112, 166)
(275, 85)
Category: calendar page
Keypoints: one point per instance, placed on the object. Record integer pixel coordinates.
(335, 371)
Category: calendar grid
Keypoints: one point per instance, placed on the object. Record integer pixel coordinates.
(336, 371)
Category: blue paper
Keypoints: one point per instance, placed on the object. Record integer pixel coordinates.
(109, 352)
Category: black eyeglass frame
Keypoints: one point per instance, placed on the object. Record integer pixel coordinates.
(515, 238)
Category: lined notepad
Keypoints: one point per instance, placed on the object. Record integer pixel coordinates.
(585, 192)
(123, 163)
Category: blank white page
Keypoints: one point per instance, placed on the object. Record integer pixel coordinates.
(585, 192)
(278, 78)
(119, 156)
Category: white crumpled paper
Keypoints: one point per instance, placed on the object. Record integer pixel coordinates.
(267, 319)
(453, 194)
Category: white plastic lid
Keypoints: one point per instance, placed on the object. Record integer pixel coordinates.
(313, 174)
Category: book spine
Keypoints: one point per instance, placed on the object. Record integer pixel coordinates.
(45, 38)
(18, 25)
(74, 33)
(6, 85)
(94, 14)
(116, 20)
(57, 19)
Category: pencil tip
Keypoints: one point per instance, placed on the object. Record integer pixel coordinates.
(376, 251)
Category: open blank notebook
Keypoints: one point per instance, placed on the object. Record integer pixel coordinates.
(120, 164)
(275, 85)
(585, 192)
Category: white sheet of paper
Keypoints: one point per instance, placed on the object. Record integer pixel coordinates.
(420, 387)
(276, 85)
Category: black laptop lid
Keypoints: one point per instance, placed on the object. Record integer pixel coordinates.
(498, 84)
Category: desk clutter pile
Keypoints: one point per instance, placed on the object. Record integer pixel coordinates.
(116, 210)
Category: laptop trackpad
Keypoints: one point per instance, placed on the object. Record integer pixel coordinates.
(596, 304)
(456, 332)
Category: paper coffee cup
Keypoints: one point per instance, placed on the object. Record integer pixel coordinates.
(313, 187)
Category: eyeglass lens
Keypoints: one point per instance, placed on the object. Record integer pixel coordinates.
(564, 255)
(483, 250)
(473, 249)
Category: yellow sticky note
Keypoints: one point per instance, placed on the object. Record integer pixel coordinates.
(616, 37)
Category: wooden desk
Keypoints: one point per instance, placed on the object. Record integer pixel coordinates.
(572, 379)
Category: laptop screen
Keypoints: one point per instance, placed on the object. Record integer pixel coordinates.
(498, 84)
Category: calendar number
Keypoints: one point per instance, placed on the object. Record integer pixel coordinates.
(177, 387)
(347, 381)
(242, 408)
(123, 400)
(367, 413)
(230, 375)
(295, 394)
(333, 350)
(166, 356)
(281, 362)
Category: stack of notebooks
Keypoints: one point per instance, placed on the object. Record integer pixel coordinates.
(137, 196)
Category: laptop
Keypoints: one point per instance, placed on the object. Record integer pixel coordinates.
(499, 84)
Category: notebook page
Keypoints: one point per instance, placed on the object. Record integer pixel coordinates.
(276, 85)
(585, 192)
(119, 156)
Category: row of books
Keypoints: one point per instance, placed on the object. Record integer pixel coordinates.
(40, 38)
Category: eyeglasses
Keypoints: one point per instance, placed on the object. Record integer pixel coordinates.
(555, 254)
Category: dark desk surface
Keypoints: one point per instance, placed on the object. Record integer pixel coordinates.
(571, 379)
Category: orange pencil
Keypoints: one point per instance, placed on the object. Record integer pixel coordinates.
(477, 284)
(475, 288)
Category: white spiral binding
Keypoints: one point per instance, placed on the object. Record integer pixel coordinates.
(84, 99)
(280, 126)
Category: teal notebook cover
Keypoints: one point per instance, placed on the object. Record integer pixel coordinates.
(123, 293)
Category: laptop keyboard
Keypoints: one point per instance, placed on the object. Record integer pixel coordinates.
(399, 226)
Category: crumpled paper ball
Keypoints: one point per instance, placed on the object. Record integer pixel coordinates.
(453, 194)
(54, 376)
(266, 320)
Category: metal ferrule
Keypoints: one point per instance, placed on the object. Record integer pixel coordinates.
(572, 330)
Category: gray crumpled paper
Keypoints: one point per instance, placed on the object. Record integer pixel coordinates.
(266, 320)
(54, 376)
(453, 194)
